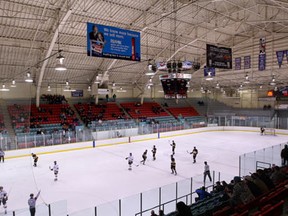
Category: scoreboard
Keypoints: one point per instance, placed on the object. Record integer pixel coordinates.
(175, 85)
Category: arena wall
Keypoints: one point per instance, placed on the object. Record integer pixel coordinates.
(125, 140)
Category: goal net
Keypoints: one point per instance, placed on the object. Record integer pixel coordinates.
(270, 131)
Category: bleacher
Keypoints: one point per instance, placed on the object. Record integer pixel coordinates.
(271, 203)
(3, 130)
(104, 112)
(146, 110)
(183, 112)
(31, 123)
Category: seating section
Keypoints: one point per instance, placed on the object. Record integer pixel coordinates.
(146, 110)
(3, 130)
(271, 203)
(47, 118)
(103, 112)
(183, 112)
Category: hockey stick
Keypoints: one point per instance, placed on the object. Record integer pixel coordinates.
(188, 152)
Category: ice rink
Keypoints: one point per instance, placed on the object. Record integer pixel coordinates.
(91, 177)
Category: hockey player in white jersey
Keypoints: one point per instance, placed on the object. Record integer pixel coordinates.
(55, 168)
(3, 199)
(130, 161)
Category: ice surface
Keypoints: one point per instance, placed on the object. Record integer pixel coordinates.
(91, 177)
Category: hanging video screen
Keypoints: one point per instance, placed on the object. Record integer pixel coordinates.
(174, 88)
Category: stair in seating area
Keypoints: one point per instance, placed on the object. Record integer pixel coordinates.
(8, 124)
(75, 111)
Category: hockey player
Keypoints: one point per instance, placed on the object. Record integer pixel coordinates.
(130, 161)
(173, 147)
(194, 153)
(55, 168)
(2, 155)
(173, 166)
(35, 158)
(144, 157)
(32, 203)
(154, 152)
(3, 199)
(262, 130)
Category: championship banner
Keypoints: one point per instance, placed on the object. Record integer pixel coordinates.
(238, 63)
(262, 62)
(280, 56)
(218, 57)
(111, 42)
(262, 54)
(247, 62)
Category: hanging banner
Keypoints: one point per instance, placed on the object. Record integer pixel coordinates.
(262, 54)
(262, 62)
(280, 56)
(218, 57)
(247, 62)
(286, 55)
(238, 63)
(111, 42)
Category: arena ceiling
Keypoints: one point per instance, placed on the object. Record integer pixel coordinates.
(170, 30)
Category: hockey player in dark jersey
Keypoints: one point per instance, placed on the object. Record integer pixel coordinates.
(144, 157)
(173, 144)
(154, 152)
(194, 153)
(35, 158)
(3, 199)
(173, 165)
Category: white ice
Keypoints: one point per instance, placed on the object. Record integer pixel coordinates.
(91, 177)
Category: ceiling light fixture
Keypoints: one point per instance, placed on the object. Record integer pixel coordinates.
(4, 88)
(49, 88)
(89, 88)
(209, 76)
(151, 70)
(60, 64)
(28, 78)
(13, 84)
(273, 81)
(246, 80)
(97, 80)
(121, 90)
